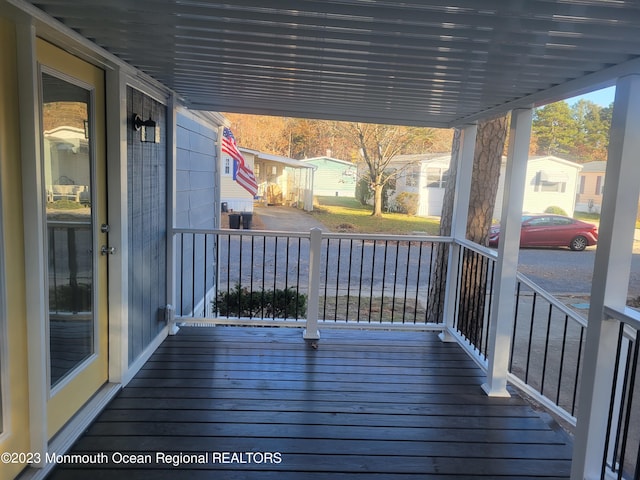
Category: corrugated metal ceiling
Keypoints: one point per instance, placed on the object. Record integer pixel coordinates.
(424, 62)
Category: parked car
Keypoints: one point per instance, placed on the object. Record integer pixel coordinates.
(547, 230)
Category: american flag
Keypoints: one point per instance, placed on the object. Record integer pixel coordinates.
(241, 173)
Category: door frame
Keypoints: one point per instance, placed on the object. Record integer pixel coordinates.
(91, 373)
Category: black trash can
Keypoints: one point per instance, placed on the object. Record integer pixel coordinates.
(234, 221)
(247, 218)
(225, 207)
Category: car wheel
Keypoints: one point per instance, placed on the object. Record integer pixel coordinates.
(578, 244)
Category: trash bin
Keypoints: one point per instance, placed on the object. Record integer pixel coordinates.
(247, 217)
(234, 221)
(225, 207)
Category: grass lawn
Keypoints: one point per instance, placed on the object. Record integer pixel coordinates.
(342, 214)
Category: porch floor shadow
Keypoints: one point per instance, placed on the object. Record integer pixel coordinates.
(260, 403)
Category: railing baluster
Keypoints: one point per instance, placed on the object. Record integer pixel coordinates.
(275, 276)
(264, 264)
(418, 271)
(204, 275)
(533, 313)
(546, 349)
(326, 281)
(384, 277)
(373, 269)
(251, 276)
(395, 283)
(338, 261)
(362, 245)
(298, 281)
(346, 315)
(577, 377)
(561, 369)
(406, 283)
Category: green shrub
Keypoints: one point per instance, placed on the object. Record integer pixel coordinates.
(363, 192)
(555, 210)
(278, 303)
(408, 202)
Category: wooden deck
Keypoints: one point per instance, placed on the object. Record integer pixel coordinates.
(363, 405)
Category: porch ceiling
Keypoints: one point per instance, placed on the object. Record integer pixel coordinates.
(423, 62)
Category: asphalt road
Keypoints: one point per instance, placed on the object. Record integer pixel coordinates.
(558, 270)
(561, 271)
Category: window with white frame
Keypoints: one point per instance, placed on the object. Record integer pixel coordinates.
(437, 177)
(226, 167)
(412, 176)
(549, 183)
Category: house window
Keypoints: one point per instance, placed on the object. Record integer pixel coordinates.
(226, 170)
(543, 183)
(256, 170)
(437, 177)
(582, 182)
(412, 176)
(599, 185)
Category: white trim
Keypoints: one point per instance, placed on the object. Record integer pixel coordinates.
(74, 429)
(171, 169)
(35, 265)
(139, 362)
(5, 425)
(117, 198)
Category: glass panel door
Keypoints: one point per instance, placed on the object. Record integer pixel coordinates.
(75, 207)
(69, 219)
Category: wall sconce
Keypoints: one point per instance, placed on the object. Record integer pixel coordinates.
(149, 131)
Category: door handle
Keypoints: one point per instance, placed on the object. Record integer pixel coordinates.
(107, 250)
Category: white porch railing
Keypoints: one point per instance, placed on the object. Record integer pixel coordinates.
(322, 280)
(271, 278)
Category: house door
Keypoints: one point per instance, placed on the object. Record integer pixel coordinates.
(74, 196)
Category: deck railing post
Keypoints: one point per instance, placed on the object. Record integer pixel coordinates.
(505, 278)
(311, 331)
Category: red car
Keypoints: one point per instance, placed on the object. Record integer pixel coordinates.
(548, 230)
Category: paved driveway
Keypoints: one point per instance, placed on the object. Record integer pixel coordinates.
(286, 219)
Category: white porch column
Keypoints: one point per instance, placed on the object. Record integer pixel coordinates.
(461, 197)
(501, 322)
(172, 157)
(610, 277)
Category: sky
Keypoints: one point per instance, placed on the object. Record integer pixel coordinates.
(602, 97)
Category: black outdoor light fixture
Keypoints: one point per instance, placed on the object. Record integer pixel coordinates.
(149, 131)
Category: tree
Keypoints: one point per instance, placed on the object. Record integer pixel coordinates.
(489, 147)
(378, 145)
(593, 122)
(579, 133)
(556, 129)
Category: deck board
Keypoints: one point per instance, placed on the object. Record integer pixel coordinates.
(369, 405)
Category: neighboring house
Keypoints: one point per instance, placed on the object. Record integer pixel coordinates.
(550, 182)
(589, 197)
(282, 180)
(424, 174)
(333, 177)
